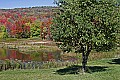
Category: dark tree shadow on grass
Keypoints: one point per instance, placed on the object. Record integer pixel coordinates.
(74, 69)
(115, 61)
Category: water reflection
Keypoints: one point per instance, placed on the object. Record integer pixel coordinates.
(13, 59)
(36, 56)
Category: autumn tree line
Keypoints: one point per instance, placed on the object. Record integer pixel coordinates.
(26, 22)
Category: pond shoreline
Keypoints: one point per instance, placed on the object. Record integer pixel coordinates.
(27, 46)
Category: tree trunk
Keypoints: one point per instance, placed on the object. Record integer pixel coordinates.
(85, 55)
(83, 63)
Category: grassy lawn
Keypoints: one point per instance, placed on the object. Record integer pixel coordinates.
(105, 69)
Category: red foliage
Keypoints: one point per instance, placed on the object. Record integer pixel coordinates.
(46, 23)
(15, 22)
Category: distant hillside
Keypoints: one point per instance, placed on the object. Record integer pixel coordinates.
(26, 22)
(33, 11)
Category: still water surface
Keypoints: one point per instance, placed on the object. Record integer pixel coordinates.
(36, 56)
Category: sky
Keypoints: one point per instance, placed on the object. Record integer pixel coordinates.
(8, 4)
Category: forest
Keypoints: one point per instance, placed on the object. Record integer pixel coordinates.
(26, 22)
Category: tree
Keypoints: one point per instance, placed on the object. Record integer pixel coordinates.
(85, 25)
(35, 29)
(3, 32)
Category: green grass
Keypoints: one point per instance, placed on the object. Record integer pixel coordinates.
(110, 70)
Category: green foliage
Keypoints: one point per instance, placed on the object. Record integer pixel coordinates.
(80, 24)
(35, 29)
(83, 25)
(3, 32)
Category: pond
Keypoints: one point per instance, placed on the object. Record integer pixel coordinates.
(36, 56)
(13, 59)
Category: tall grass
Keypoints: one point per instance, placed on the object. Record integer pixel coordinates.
(18, 64)
(24, 47)
(100, 72)
(93, 55)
